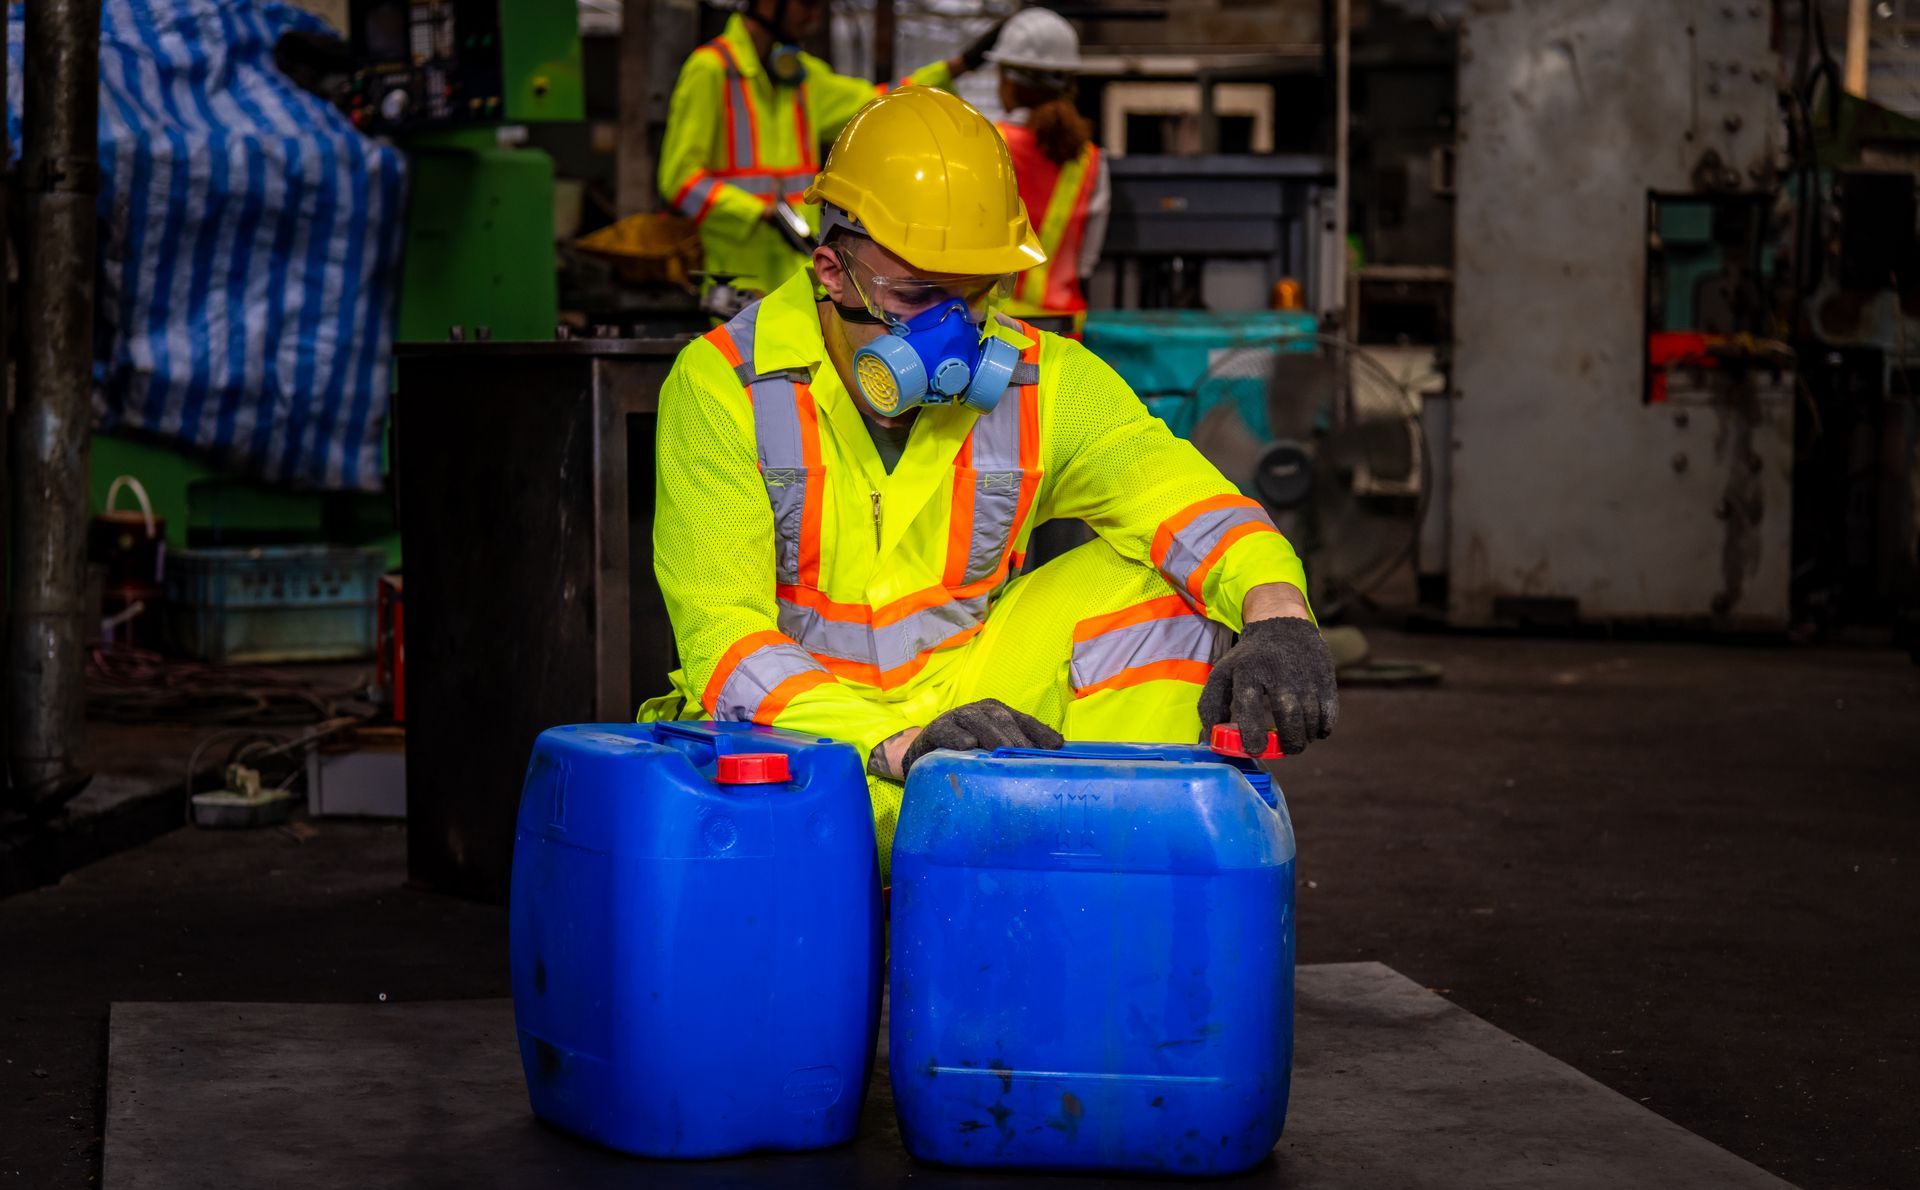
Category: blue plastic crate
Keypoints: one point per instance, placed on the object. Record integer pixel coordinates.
(273, 603)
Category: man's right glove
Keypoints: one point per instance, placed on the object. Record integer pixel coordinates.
(1278, 678)
(987, 724)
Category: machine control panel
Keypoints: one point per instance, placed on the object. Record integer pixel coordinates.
(426, 65)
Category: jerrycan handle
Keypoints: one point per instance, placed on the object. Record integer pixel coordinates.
(701, 744)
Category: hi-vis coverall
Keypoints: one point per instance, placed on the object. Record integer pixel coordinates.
(736, 142)
(811, 590)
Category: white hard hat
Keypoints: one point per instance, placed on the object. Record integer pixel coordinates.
(1037, 39)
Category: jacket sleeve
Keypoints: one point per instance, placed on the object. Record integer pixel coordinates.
(713, 554)
(1150, 495)
(686, 155)
(833, 98)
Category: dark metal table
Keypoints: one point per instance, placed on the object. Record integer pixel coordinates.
(526, 507)
(1392, 1087)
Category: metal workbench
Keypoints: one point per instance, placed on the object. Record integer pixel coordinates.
(526, 499)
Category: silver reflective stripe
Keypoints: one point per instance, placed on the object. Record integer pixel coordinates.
(695, 199)
(1192, 544)
(1025, 373)
(996, 501)
(740, 151)
(740, 328)
(776, 431)
(759, 183)
(996, 496)
(757, 675)
(885, 648)
(1174, 638)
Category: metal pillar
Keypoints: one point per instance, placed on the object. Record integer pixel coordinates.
(884, 35)
(634, 184)
(60, 176)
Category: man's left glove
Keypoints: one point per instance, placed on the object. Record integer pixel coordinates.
(1278, 678)
(989, 724)
(976, 51)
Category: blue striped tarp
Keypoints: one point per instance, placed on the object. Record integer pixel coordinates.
(249, 246)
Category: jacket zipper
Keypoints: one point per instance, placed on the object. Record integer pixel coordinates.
(876, 521)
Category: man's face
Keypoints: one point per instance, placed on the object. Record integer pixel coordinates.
(802, 18)
(857, 272)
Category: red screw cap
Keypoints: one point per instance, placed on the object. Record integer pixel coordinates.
(753, 768)
(1227, 742)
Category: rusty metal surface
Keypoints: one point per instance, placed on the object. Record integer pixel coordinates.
(1567, 489)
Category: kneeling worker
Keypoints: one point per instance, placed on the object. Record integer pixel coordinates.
(847, 486)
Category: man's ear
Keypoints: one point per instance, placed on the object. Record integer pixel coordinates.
(832, 276)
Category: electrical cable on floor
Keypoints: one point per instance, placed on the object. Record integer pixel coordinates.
(129, 685)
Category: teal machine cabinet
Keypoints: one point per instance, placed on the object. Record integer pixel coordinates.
(439, 77)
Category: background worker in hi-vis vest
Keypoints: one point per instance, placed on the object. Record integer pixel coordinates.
(847, 487)
(748, 117)
(1062, 173)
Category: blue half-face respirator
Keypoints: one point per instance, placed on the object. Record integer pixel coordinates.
(938, 356)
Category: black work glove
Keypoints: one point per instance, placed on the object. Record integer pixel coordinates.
(976, 51)
(1278, 678)
(987, 724)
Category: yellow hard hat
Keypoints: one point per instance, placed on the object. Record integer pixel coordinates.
(929, 178)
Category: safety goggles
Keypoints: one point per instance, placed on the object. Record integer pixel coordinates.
(896, 300)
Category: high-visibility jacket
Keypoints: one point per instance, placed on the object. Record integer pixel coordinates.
(1058, 199)
(812, 590)
(735, 142)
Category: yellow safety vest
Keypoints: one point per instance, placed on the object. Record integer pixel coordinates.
(736, 142)
(811, 589)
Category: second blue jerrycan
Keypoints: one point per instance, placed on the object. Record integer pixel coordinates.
(1092, 960)
(696, 937)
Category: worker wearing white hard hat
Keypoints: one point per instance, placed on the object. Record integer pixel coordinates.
(1062, 173)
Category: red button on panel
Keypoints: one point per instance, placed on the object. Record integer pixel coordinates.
(1227, 742)
(754, 768)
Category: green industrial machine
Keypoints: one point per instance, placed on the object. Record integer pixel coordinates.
(440, 78)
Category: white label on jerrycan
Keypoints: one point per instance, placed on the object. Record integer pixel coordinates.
(812, 1088)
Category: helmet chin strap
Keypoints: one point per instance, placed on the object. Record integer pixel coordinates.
(857, 314)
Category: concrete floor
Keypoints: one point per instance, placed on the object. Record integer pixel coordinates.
(1687, 870)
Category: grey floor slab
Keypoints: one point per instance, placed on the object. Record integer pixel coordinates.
(1393, 1087)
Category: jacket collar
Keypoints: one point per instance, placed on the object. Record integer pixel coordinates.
(741, 43)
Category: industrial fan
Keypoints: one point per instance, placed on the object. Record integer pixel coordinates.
(1327, 436)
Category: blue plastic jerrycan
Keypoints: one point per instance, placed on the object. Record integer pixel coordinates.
(1092, 963)
(696, 937)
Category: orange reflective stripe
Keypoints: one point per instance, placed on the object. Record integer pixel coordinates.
(1164, 608)
(778, 698)
(720, 338)
(1159, 671)
(1197, 581)
(801, 129)
(960, 520)
(731, 659)
(1029, 446)
(810, 515)
(733, 160)
(693, 179)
